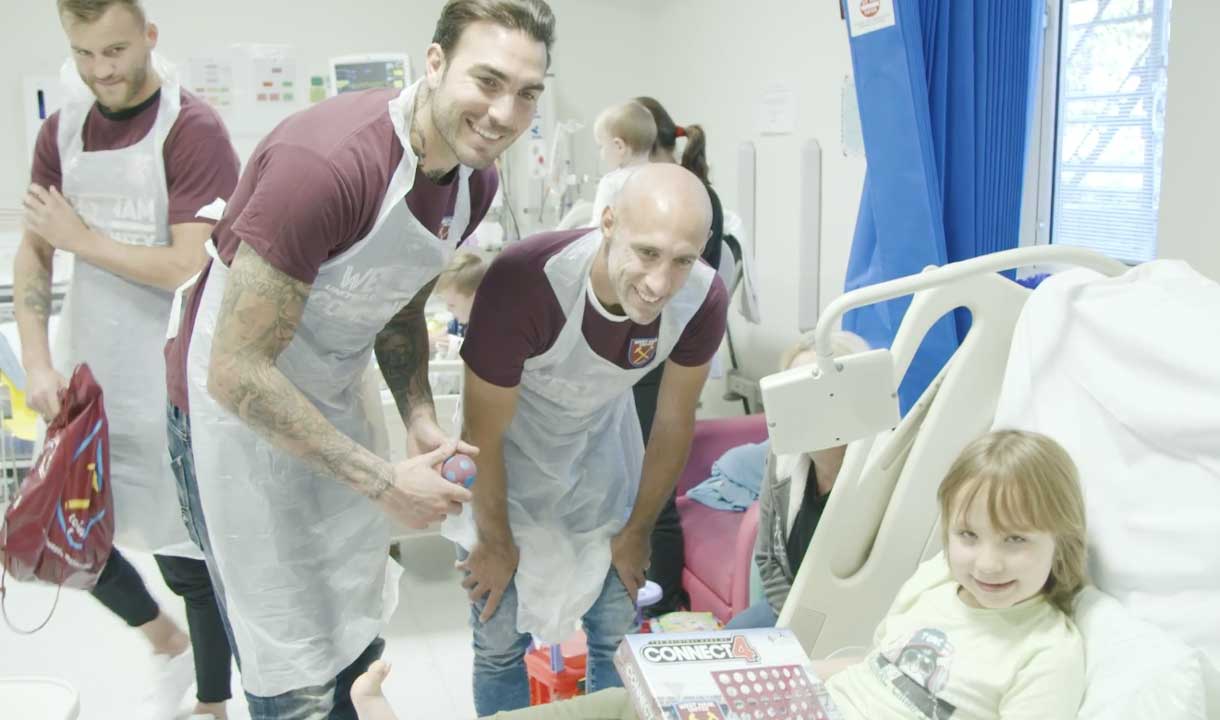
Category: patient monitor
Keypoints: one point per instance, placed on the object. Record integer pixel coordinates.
(352, 73)
(857, 391)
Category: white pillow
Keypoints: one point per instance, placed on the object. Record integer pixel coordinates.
(1135, 671)
(1122, 372)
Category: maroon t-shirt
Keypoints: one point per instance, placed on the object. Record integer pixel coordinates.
(516, 316)
(200, 163)
(312, 189)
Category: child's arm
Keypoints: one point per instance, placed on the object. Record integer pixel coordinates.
(829, 667)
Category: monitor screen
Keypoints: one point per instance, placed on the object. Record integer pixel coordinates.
(354, 76)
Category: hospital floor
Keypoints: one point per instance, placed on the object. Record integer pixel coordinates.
(427, 641)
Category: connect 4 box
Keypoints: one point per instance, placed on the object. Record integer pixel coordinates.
(724, 675)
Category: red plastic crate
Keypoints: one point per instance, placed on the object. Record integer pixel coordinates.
(547, 686)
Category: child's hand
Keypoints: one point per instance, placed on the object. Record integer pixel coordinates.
(366, 694)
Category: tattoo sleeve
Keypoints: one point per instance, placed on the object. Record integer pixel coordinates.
(402, 354)
(37, 296)
(259, 315)
(32, 274)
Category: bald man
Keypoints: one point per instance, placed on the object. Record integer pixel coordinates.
(567, 493)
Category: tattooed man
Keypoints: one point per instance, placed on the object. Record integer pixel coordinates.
(340, 223)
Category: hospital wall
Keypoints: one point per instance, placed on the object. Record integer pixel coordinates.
(33, 44)
(1190, 189)
(721, 57)
(708, 61)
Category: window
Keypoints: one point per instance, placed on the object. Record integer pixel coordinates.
(1103, 124)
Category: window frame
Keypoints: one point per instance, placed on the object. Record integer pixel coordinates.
(1037, 200)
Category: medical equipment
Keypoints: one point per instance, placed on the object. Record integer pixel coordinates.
(860, 391)
(560, 179)
(352, 73)
(524, 168)
(459, 469)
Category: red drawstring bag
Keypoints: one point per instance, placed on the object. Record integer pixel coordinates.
(60, 529)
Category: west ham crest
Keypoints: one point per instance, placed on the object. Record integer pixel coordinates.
(641, 351)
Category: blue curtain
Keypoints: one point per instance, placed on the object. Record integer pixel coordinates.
(945, 98)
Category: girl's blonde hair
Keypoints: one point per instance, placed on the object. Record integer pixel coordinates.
(1030, 483)
(630, 122)
(463, 274)
(842, 342)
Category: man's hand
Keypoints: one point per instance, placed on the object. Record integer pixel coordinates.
(42, 391)
(489, 569)
(418, 495)
(51, 216)
(630, 551)
(424, 436)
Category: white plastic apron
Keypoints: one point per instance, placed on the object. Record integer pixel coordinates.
(118, 325)
(301, 556)
(573, 453)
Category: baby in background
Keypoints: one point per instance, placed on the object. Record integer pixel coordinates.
(625, 134)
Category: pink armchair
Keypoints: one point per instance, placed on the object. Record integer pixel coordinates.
(719, 545)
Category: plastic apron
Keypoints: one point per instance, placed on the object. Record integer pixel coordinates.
(573, 453)
(118, 325)
(301, 556)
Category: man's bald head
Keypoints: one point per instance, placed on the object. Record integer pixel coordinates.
(665, 197)
(653, 233)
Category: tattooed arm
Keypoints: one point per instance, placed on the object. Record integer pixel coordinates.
(49, 214)
(402, 355)
(32, 306)
(259, 315)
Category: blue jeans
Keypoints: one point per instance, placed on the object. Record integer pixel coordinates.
(758, 615)
(329, 701)
(500, 679)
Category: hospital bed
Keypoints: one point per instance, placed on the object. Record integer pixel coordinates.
(882, 519)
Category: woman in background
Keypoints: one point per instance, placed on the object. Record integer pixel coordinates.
(667, 550)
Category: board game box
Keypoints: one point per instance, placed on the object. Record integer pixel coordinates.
(724, 675)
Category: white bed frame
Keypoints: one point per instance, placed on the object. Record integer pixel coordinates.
(882, 519)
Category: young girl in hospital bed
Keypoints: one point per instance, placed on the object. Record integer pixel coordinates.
(983, 630)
